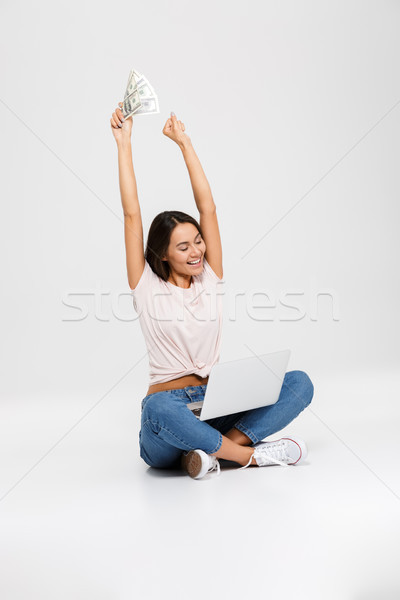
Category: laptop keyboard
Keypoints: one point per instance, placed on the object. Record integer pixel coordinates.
(195, 407)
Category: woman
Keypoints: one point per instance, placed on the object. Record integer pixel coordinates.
(174, 284)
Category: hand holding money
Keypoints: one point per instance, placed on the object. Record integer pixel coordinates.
(121, 127)
(175, 130)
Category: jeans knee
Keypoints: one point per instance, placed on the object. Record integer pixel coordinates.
(307, 388)
(304, 386)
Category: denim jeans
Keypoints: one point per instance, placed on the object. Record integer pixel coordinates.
(168, 428)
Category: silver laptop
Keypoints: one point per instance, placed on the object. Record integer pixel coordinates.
(242, 384)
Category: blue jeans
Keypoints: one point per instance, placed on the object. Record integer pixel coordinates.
(168, 428)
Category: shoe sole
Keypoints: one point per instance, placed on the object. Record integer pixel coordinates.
(191, 463)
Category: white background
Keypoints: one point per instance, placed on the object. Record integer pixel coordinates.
(293, 109)
(273, 96)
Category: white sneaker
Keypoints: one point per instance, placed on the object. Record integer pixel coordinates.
(285, 452)
(198, 463)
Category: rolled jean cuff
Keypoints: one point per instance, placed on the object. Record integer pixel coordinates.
(219, 444)
(246, 431)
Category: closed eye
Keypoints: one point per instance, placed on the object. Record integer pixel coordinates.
(184, 249)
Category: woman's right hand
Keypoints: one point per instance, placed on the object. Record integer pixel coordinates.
(121, 128)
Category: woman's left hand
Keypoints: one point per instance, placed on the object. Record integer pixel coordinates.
(175, 130)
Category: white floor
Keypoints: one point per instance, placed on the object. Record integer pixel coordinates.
(83, 517)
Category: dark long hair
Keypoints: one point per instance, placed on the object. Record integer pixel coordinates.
(159, 237)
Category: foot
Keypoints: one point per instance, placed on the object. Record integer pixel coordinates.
(286, 451)
(197, 463)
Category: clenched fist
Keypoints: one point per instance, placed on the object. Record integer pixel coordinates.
(175, 130)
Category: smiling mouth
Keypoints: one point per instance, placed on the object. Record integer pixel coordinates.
(194, 264)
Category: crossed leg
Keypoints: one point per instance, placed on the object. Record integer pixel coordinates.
(238, 437)
(235, 447)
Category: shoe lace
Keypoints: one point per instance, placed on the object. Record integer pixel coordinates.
(215, 465)
(270, 453)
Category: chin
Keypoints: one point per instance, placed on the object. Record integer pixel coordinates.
(196, 270)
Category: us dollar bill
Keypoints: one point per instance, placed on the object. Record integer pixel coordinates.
(140, 97)
(149, 106)
(131, 104)
(135, 79)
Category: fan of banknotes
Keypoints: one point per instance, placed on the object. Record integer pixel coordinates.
(140, 98)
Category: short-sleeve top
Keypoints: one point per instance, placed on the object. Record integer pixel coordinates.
(182, 327)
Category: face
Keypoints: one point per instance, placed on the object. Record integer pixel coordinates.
(186, 245)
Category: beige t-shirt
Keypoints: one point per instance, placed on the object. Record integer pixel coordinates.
(182, 327)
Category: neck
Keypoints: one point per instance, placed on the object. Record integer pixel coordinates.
(183, 281)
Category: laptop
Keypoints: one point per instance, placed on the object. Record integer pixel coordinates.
(243, 384)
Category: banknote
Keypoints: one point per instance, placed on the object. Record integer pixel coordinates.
(135, 78)
(131, 104)
(149, 107)
(140, 97)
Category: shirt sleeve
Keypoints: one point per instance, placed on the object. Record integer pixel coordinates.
(143, 287)
(210, 273)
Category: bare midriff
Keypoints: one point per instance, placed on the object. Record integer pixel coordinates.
(176, 384)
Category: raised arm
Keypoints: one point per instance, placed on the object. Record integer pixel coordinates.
(133, 227)
(175, 130)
